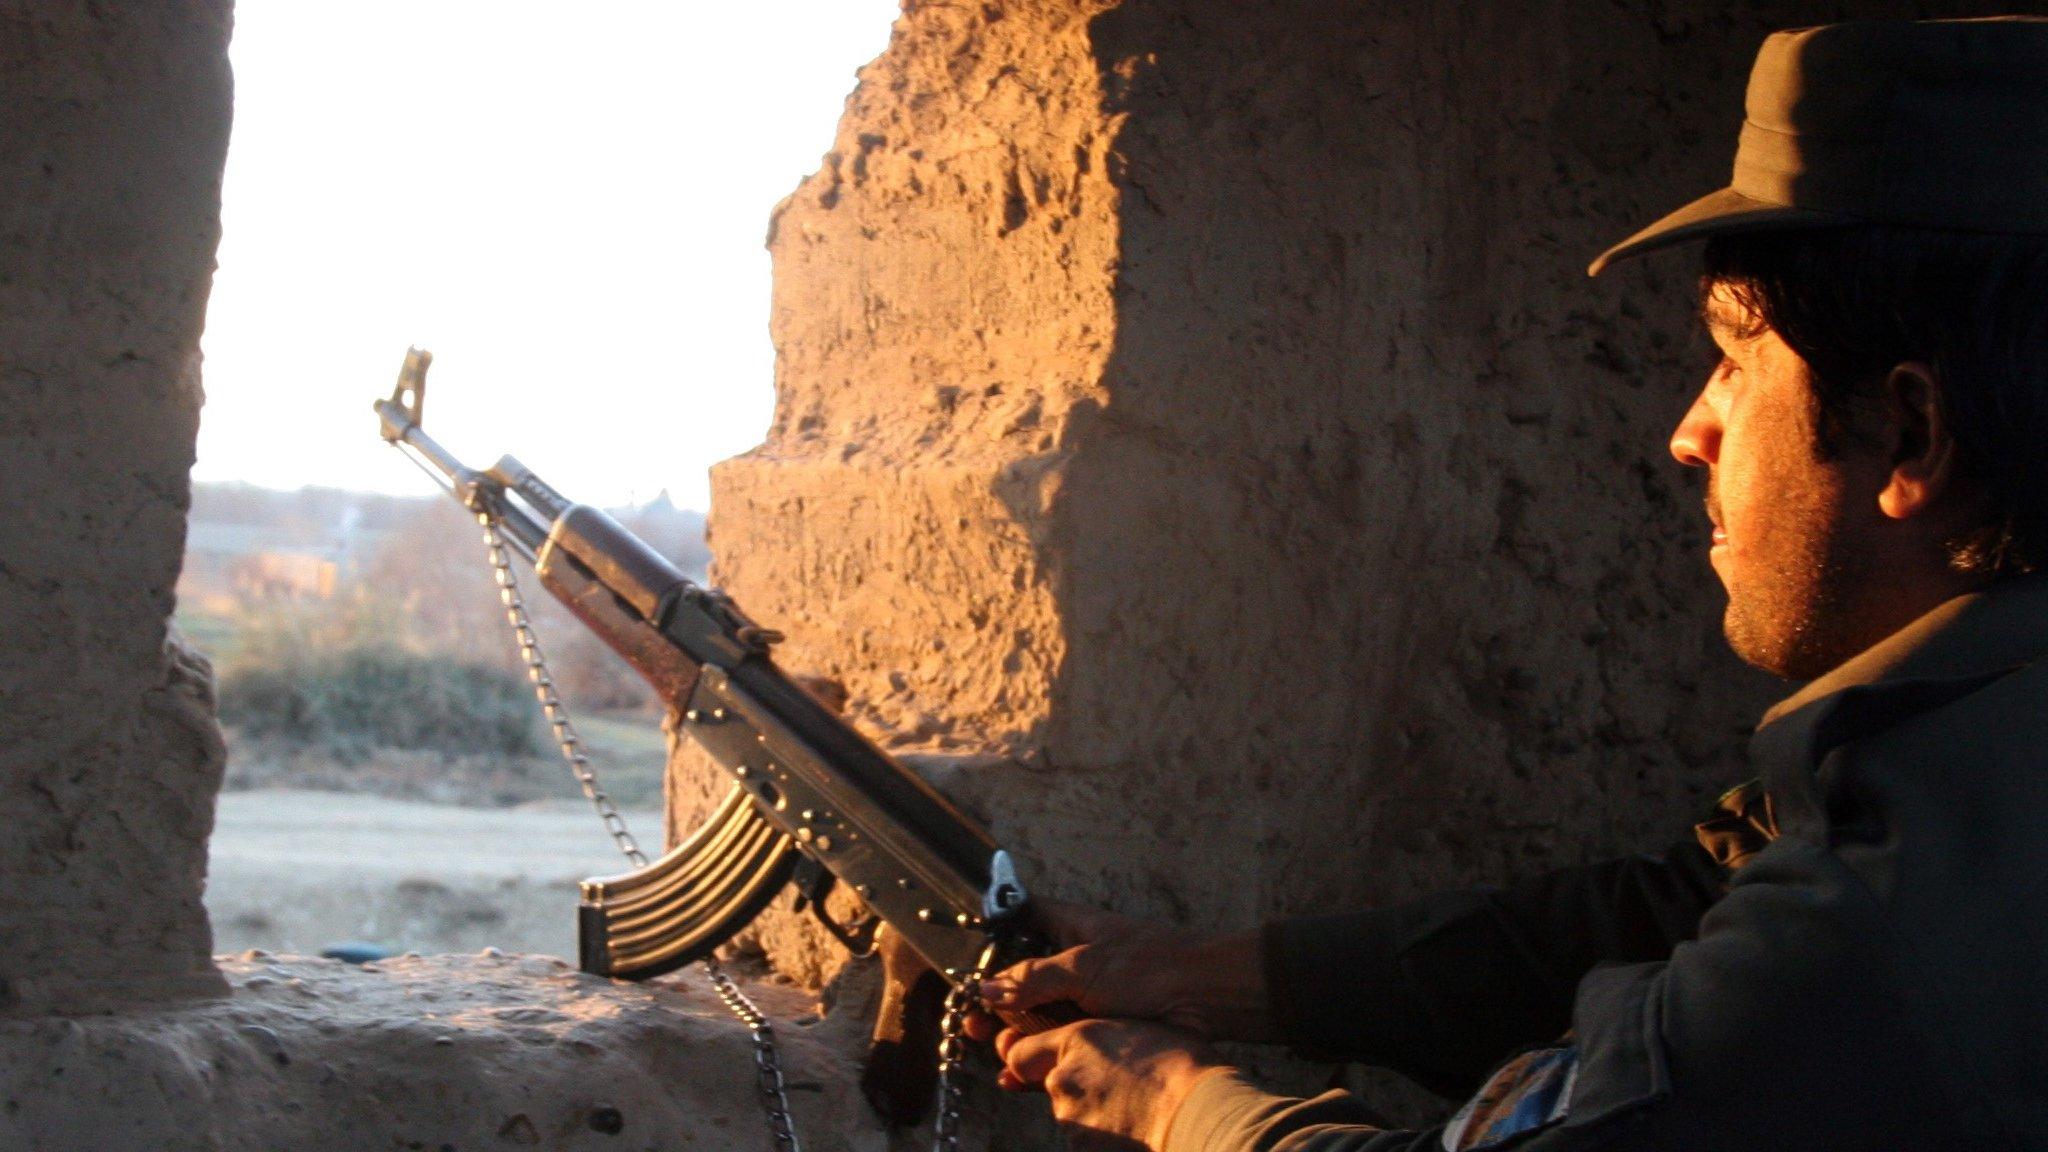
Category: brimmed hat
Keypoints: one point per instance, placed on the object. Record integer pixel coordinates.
(1933, 124)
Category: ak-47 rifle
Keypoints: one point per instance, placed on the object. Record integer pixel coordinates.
(814, 802)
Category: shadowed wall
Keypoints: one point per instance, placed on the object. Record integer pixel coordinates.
(114, 129)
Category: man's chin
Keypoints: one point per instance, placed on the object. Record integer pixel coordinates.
(1788, 653)
(1756, 645)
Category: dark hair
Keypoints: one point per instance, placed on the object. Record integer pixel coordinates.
(1854, 302)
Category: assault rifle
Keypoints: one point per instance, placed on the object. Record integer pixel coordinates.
(814, 803)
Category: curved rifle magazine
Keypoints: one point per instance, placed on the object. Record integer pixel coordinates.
(696, 897)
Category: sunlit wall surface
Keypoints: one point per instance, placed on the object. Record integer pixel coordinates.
(567, 205)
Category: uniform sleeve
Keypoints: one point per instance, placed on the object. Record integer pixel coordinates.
(1787, 1023)
(1445, 988)
(1225, 1113)
(1790, 1022)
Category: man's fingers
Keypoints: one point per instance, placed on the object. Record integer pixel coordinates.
(1004, 1040)
(1009, 1082)
(981, 1027)
(1006, 1079)
(1031, 1058)
(1030, 983)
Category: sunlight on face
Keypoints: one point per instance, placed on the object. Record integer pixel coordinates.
(1776, 504)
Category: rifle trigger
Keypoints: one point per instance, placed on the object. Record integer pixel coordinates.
(813, 883)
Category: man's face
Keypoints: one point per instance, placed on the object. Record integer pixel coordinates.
(1784, 528)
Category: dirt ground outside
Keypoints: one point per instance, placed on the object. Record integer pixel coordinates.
(296, 871)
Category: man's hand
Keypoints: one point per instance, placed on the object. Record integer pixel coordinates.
(1118, 966)
(1114, 1084)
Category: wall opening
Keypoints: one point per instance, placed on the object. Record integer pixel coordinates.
(570, 215)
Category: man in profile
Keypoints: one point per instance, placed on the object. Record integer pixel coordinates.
(1852, 951)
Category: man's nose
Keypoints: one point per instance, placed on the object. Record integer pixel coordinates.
(1696, 442)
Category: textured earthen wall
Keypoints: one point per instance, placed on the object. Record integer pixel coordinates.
(1202, 407)
(944, 302)
(113, 128)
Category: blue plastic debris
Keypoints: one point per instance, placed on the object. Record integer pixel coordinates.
(357, 952)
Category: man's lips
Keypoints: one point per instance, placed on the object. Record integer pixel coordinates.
(1720, 535)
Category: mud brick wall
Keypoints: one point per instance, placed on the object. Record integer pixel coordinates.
(113, 129)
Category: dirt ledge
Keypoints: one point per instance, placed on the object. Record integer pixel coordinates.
(430, 1053)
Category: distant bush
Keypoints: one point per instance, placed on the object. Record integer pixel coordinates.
(429, 589)
(351, 700)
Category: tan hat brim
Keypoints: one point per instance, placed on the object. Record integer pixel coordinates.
(1714, 214)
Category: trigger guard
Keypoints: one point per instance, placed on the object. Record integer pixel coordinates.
(813, 883)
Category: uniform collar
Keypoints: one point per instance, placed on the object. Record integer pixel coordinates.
(1943, 656)
(1982, 633)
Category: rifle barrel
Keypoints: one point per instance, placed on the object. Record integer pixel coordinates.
(479, 492)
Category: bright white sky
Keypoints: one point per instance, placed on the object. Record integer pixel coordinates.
(566, 204)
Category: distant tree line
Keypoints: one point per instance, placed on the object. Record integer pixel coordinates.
(413, 649)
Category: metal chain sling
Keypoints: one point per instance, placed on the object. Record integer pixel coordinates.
(961, 998)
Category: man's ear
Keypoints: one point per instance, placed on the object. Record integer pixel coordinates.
(1923, 449)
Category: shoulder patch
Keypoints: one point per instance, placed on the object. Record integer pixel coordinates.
(1534, 1090)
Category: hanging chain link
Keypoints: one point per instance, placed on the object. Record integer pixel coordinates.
(544, 690)
(767, 1069)
(963, 997)
(767, 1064)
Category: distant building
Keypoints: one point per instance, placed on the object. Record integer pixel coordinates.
(271, 556)
(284, 576)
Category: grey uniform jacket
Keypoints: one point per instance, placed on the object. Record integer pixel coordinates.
(1875, 977)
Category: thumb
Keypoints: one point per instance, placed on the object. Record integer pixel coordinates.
(1030, 983)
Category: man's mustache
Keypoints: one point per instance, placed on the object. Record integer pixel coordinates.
(1713, 500)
